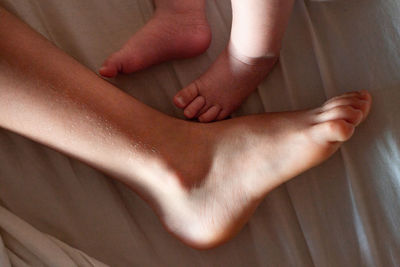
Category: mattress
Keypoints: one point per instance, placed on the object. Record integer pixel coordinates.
(57, 211)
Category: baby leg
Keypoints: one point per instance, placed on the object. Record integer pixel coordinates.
(257, 30)
(258, 26)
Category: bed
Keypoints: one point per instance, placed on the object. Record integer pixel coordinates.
(57, 211)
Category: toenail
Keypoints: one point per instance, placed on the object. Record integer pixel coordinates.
(187, 113)
(180, 101)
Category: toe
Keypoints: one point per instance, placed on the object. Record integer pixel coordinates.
(334, 131)
(185, 96)
(223, 114)
(353, 101)
(211, 114)
(366, 96)
(108, 70)
(360, 100)
(111, 66)
(347, 113)
(194, 107)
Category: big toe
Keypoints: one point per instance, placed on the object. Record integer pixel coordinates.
(333, 131)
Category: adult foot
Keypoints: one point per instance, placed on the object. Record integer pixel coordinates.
(224, 86)
(177, 30)
(237, 162)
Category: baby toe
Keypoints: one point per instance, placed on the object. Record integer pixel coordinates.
(211, 114)
(185, 96)
(224, 113)
(194, 107)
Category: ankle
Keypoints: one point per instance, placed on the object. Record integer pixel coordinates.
(189, 30)
(259, 60)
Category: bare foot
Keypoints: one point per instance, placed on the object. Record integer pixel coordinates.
(224, 86)
(237, 162)
(175, 31)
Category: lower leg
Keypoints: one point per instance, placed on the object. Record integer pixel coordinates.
(203, 180)
(258, 26)
(63, 105)
(178, 29)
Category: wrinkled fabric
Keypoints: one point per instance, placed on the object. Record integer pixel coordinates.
(55, 211)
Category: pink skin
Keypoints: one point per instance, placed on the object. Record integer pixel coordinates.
(179, 29)
(203, 180)
(224, 86)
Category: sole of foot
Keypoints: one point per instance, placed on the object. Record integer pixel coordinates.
(238, 161)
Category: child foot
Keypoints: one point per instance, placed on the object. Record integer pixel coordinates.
(172, 33)
(224, 86)
(237, 162)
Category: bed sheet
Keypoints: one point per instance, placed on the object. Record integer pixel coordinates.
(56, 211)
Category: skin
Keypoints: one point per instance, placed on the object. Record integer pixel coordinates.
(203, 180)
(179, 29)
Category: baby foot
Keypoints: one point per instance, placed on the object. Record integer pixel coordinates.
(224, 86)
(237, 162)
(172, 33)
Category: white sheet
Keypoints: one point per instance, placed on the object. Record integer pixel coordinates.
(345, 212)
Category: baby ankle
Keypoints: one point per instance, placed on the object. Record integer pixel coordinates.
(261, 60)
